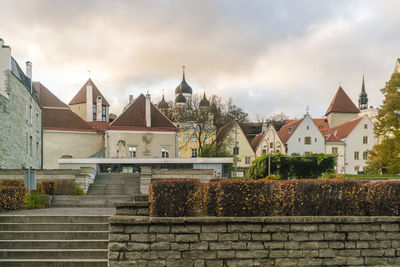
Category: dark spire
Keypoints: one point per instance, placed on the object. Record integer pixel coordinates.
(204, 102)
(363, 99)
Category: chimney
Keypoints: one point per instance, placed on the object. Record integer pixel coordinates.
(5, 64)
(148, 110)
(89, 102)
(28, 71)
(130, 99)
(99, 106)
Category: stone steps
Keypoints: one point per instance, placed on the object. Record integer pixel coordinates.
(95, 200)
(40, 240)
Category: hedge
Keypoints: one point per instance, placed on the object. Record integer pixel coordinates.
(50, 187)
(283, 166)
(13, 197)
(243, 198)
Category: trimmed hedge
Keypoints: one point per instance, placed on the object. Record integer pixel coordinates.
(13, 197)
(50, 187)
(283, 166)
(175, 197)
(243, 198)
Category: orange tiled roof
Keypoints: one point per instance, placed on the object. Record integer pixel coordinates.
(256, 141)
(343, 130)
(100, 126)
(342, 103)
(46, 98)
(80, 97)
(134, 118)
(288, 129)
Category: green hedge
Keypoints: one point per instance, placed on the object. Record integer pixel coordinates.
(13, 197)
(283, 166)
(330, 197)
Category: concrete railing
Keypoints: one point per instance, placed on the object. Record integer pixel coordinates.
(251, 241)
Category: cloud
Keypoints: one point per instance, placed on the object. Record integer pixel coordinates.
(269, 56)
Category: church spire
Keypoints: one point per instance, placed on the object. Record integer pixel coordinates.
(363, 99)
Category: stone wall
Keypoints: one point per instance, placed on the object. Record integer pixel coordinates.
(257, 241)
(18, 126)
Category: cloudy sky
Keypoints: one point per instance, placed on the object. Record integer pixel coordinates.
(269, 56)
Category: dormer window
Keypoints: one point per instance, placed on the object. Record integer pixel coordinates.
(334, 133)
(290, 130)
(321, 126)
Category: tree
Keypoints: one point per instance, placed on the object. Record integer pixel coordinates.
(386, 155)
(277, 120)
(215, 150)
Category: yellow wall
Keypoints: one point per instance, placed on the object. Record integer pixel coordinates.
(148, 144)
(79, 109)
(75, 144)
(185, 148)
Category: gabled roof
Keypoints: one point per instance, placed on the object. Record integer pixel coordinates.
(343, 130)
(46, 98)
(342, 103)
(134, 118)
(57, 115)
(100, 126)
(223, 132)
(323, 126)
(257, 140)
(80, 97)
(250, 129)
(288, 129)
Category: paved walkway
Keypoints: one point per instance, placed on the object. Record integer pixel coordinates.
(63, 211)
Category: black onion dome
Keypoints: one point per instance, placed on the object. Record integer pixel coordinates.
(180, 98)
(163, 103)
(204, 102)
(183, 87)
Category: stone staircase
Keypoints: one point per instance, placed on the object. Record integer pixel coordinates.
(44, 240)
(106, 190)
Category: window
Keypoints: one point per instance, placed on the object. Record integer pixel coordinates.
(356, 155)
(37, 119)
(299, 139)
(315, 140)
(271, 145)
(207, 139)
(164, 152)
(185, 137)
(308, 127)
(290, 130)
(30, 145)
(365, 155)
(365, 126)
(307, 140)
(194, 152)
(30, 114)
(103, 112)
(365, 139)
(264, 151)
(94, 112)
(357, 168)
(194, 138)
(132, 151)
(247, 160)
(178, 137)
(37, 150)
(335, 150)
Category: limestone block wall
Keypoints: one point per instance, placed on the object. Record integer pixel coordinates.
(257, 241)
(20, 126)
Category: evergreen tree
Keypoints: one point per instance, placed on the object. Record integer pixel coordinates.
(385, 156)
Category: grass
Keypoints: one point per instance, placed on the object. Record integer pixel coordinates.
(365, 176)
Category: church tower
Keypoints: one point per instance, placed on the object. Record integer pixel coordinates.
(363, 99)
(185, 90)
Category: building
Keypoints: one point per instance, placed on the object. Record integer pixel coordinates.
(90, 104)
(232, 136)
(188, 143)
(268, 142)
(65, 134)
(344, 132)
(141, 131)
(20, 115)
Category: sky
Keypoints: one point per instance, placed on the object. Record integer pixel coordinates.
(268, 56)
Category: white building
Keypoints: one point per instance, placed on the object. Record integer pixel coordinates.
(268, 142)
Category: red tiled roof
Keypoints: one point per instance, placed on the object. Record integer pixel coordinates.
(323, 126)
(342, 103)
(333, 139)
(46, 98)
(343, 130)
(256, 141)
(284, 133)
(64, 120)
(80, 97)
(100, 126)
(134, 118)
(223, 132)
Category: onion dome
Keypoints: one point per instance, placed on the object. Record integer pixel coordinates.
(163, 104)
(204, 102)
(180, 99)
(183, 87)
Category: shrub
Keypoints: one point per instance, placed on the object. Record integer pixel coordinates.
(329, 197)
(37, 201)
(64, 187)
(13, 197)
(78, 190)
(12, 183)
(307, 166)
(47, 187)
(175, 197)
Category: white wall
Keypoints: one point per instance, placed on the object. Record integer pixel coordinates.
(341, 155)
(354, 142)
(307, 127)
(271, 136)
